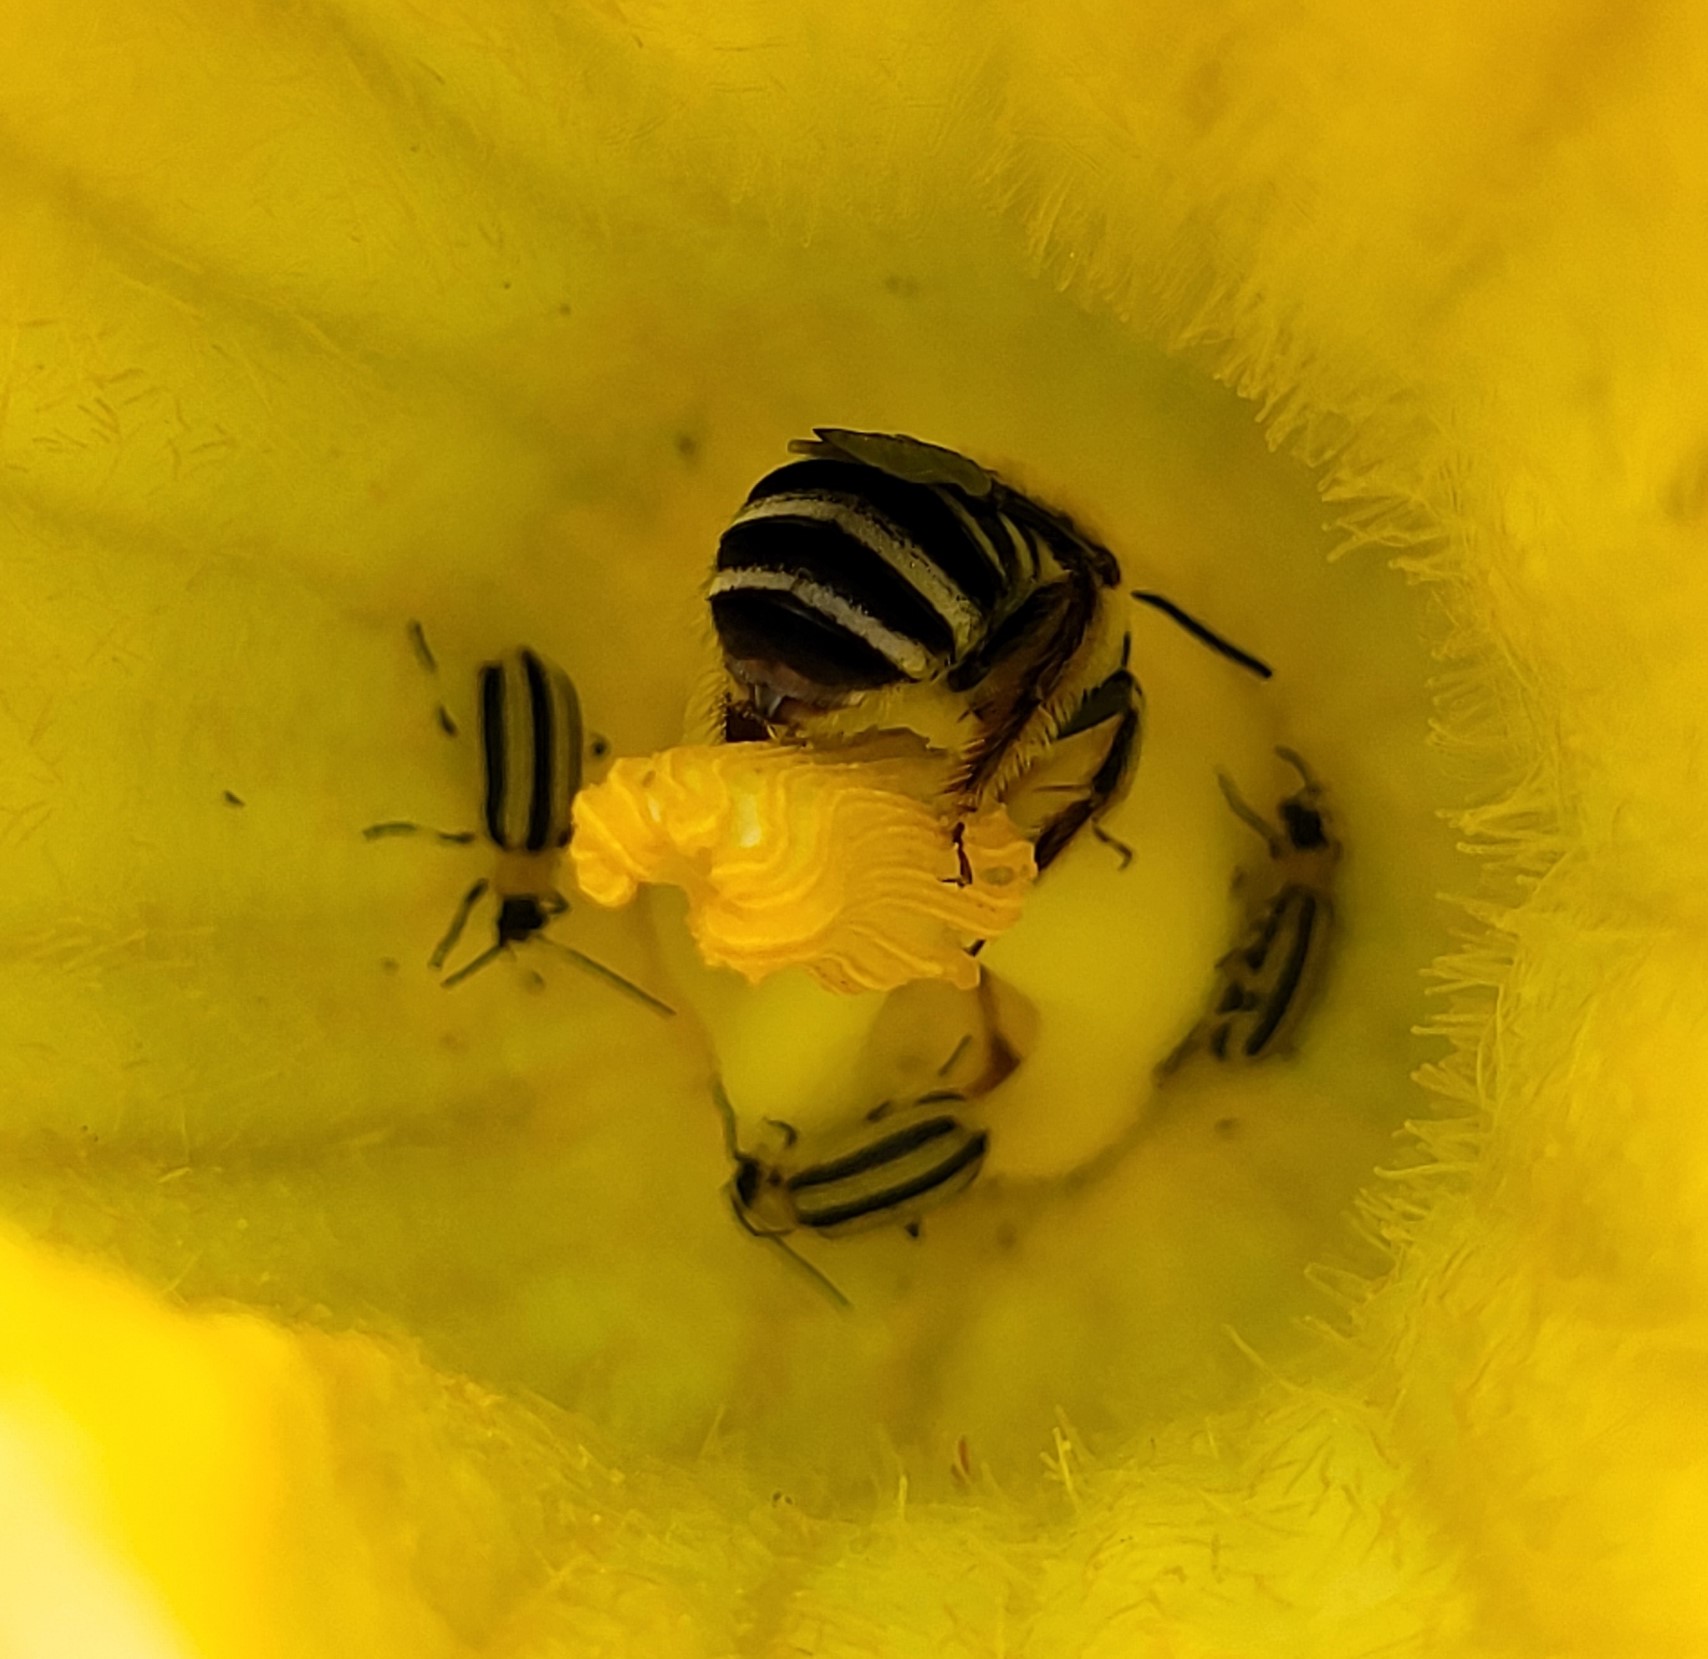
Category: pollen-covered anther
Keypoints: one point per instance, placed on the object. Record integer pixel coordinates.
(792, 860)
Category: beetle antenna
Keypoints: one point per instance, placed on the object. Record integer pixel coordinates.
(790, 1133)
(610, 976)
(819, 1277)
(726, 1112)
(1246, 815)
(1205, 636)
(1294, 759)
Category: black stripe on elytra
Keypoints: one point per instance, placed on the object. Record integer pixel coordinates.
(541, 727)
(1256, 954)
(1287, 985)
(970, 1153)
(492, 750)
(875, 1154)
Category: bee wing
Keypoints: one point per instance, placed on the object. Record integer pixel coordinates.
(901, 457)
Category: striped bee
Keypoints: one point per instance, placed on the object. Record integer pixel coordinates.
(877, 582)
(532, 746)
(1266, 982)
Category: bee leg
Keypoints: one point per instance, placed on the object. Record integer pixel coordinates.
(1059, 833)
(965, 876)
(1121, 699)
(740, 724)
(459, 921)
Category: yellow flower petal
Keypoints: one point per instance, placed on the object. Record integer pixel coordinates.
(316, 318)
(790, 860)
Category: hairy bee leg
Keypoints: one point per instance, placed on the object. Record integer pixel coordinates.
(1073, 599)
(459, 920)
(1120, 697)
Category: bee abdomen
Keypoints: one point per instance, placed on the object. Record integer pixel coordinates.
(853, 578)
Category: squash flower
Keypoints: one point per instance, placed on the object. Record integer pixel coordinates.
(348, 347)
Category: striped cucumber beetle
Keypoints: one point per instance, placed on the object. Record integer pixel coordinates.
(1267, 981)
(532, 747)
